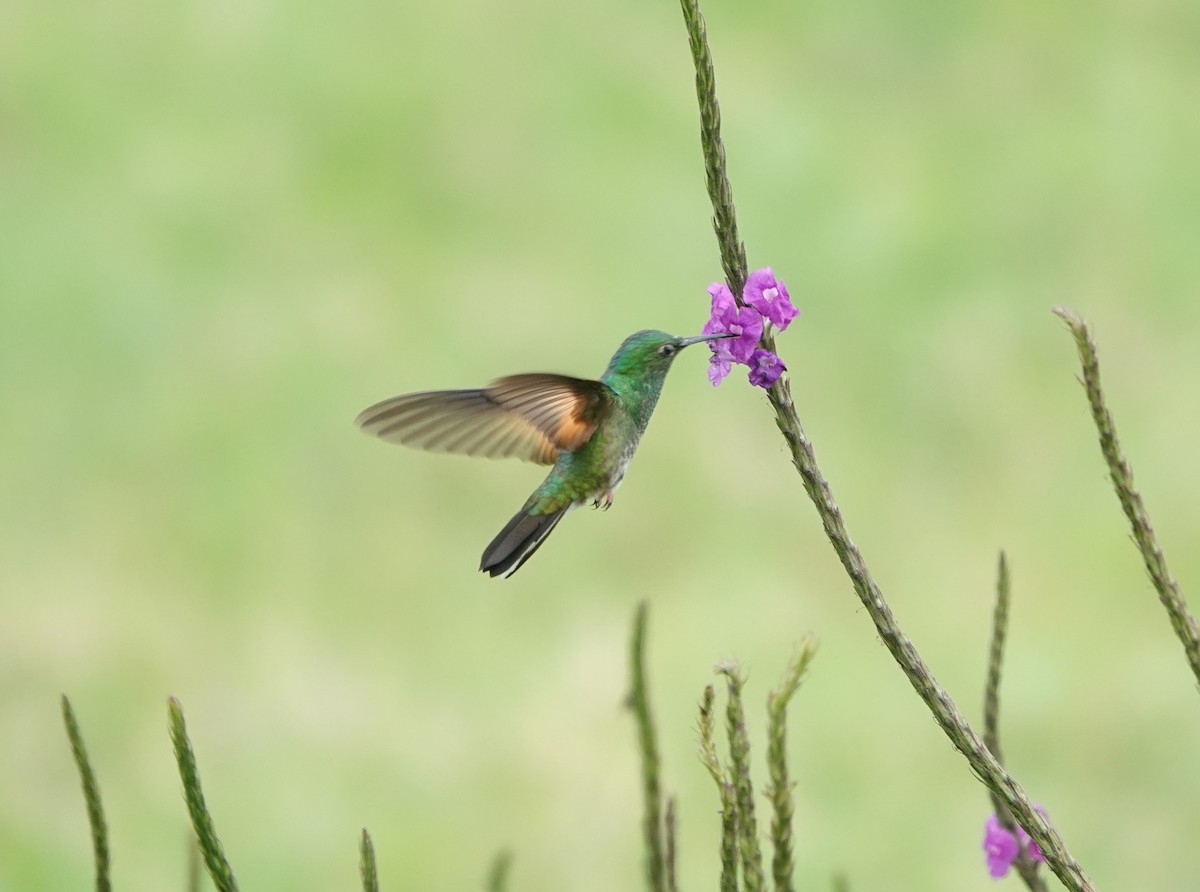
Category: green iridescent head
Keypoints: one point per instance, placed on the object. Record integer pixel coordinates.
(650, 353)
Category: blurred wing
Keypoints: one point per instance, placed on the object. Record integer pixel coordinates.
(531, 417)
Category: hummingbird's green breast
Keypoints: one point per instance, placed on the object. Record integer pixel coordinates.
(592, 472)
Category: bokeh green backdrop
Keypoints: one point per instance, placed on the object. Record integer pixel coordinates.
(226, 227)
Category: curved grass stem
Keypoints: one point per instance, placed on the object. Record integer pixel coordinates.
(1121, 473)
(206, 834)
(91, 796)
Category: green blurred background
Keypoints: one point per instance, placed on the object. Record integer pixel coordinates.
(227, 227)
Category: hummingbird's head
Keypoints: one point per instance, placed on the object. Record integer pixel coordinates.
(651, 352)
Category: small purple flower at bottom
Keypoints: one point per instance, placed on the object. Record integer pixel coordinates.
(1000, 846)
(1003, 847)
(770, 297)
(765, 368)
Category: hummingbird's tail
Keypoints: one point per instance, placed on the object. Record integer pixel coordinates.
(517, 542)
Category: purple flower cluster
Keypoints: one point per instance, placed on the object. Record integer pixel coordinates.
(765, 301)
(1002, 847)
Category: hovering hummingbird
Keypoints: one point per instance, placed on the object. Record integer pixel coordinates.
(588, 430)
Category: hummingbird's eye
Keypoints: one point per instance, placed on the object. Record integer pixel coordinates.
(666, 350)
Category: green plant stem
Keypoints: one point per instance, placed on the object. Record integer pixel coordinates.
(652, 821)
(720, 191)
(753, 879)
(498, 874)
(729, 812)
(206, 834)
(497, 880)
(991, 695)
(780, 792)
(366, 863)
(669, 828)
(947, 715)
(91, 797)
(1172, 599)
(1026, 868)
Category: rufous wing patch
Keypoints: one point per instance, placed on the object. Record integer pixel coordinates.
(567, 410)
(533, 417)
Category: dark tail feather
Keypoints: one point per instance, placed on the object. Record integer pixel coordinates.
(517, 542)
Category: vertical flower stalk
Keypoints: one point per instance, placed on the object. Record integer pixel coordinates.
(780, 791)
(729, 809)
(991, 696)
(720, 191)
(1021, 856)
(945, 712)
(1182, 620)
(91, 797)
(753, 878)
(639, 702)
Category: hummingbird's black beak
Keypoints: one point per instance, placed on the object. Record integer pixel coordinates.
(687, 342)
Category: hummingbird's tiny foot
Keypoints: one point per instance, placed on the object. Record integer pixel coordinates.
(608, 500)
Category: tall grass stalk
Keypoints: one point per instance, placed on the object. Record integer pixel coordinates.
(1182, 620)
(91, 797)
(652, 806)
(206, 834)
(780, 791)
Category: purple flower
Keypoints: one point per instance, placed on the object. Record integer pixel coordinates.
(722, 297)
(765, 368)
(770, 297)
(727, 316)
(1001, 847)
(718, 366)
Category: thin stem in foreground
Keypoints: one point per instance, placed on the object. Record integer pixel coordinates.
(991, 696)
(670, 829)
(1172, 599)
(948, 716)
(498, 875)
(729, 813)
(91, 797)
(206, 833)
(366, 863)
(1026, 868)
(780, 792)
(753, 878)
(652, 821)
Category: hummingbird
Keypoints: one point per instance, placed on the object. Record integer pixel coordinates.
(587, 429)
